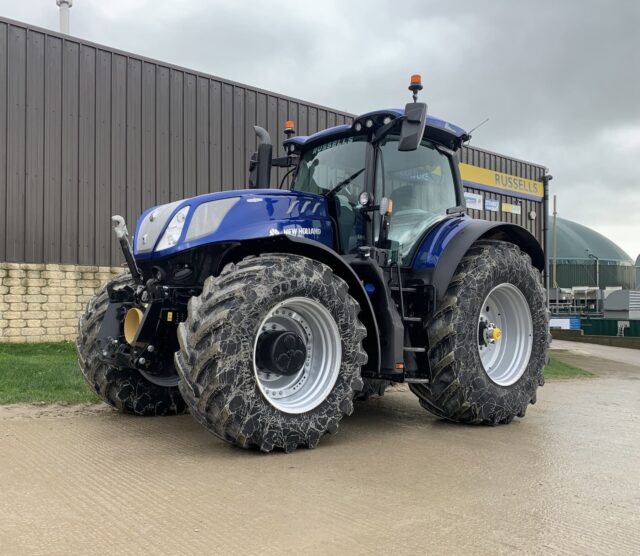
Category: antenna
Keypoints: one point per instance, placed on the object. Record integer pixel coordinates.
(479, 125)
(64, 6)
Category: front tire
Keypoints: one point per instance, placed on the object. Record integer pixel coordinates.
(226, 388)
(474, 377)
(125, 389)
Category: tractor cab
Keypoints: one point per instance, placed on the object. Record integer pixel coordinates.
(388, 177)
(359, 176)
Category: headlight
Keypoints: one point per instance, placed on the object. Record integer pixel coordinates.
(208, 216)
(174, 229)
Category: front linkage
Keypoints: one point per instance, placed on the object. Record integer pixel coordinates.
(139, 326)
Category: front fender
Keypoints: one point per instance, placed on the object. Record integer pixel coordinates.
(444, 247)
(316, 250)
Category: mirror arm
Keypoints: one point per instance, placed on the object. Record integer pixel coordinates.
(459, 210)
(284, 161)
(386, 129)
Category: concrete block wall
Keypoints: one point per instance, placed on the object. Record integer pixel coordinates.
(43, 302)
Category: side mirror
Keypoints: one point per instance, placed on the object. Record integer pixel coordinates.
(260, 164)
(412, 126)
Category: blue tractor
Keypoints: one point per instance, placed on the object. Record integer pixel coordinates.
(266, 312)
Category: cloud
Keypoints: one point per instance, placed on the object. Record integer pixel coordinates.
(558, 80)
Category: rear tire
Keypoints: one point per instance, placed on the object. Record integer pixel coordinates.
(219, 377)
(460, 388)
(125, 389)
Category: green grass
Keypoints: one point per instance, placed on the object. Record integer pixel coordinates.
(45, 372)
(49, 373)
(558, 370)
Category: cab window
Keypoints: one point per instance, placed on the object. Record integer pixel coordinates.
(327, 166)
(421, 185)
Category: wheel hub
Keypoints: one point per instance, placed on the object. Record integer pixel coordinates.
(280, 352)
(489, 332)
(505, 334)
(297, 355)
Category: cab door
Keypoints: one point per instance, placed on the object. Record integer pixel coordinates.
(421, 186)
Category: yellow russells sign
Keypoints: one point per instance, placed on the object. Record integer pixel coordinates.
(503, 182)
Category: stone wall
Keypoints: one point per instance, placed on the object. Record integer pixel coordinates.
(42, 302)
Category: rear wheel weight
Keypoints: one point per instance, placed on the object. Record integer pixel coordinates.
(219, 363)
(495, 295)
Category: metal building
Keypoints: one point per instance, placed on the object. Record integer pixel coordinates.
(91, 131)
(505, 189)
(87, 131)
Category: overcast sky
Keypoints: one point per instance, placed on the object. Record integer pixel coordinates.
(559, 80)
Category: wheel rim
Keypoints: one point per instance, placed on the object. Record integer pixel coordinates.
(167, 381)
(309, 387)
(505, 334)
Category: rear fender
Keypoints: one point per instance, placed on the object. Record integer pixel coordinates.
(444, 247)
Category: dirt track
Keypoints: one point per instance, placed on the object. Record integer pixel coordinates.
(564, 479)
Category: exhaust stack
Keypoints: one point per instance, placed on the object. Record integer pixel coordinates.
(260, 165)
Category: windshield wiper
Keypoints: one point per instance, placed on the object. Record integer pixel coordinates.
(344, 182)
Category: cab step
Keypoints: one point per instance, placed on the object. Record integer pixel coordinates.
(412, 319)
(404, 289)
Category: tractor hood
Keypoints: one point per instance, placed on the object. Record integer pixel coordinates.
(230, 216)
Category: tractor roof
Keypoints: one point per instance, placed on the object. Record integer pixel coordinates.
(436, 129)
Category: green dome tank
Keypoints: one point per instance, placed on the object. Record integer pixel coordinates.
(576, 268)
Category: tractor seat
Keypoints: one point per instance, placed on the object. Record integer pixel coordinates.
(404, 198)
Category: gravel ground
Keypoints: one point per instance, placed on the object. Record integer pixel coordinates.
(566, 479)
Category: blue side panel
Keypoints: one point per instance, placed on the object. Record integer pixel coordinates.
(258, 213)
(574, 323)
(437, 239)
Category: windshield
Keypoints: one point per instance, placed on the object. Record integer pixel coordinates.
(326, 166)
(420, 183)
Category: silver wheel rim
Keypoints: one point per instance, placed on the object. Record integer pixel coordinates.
(506, 310)
(310, 386)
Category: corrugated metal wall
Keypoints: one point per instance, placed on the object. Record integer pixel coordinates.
(87, 132)
(499, 163)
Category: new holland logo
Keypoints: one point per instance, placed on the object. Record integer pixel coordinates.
(296, 231)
